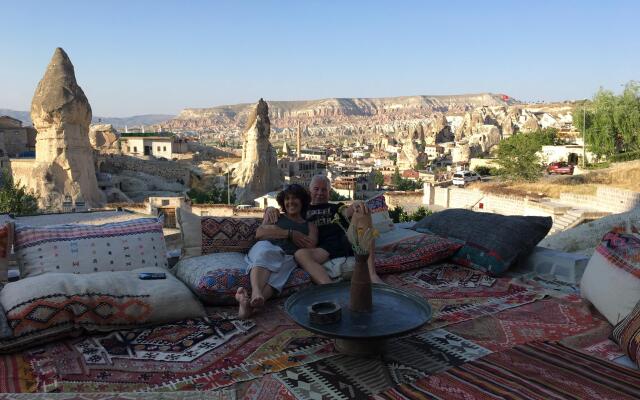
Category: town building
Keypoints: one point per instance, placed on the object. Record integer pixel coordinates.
(15, 139)
(152, 144)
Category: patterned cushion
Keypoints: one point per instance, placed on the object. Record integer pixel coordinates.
(118, 246)
(614, 268)
(55, 304)
(380, 214)
(492, 242)
(204, 235)
(627, 334)
(215, 278)
(5, 245)
(222, 235)
(414, 252)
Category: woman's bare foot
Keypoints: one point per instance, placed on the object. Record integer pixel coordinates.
(376, 279)
(245, 310)
(257, 299)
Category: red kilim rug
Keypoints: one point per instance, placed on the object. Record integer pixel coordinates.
(458, 294)
(549, 320)
(187, 355)
(537, 371)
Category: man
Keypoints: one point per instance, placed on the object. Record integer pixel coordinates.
(332, 240)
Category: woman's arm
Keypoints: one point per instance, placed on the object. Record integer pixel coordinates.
(303, 241)
(313, 234)
(268, 231)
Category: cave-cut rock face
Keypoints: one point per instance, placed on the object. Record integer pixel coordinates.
(258, 171)
(61, 114)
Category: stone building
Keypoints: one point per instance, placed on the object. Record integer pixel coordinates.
(16, 140)
(150, 144)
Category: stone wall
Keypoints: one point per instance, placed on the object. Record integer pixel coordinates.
(169, 170)
(21, 170)
(453, 197)
(606, 199)
(409, 201)
(225, 210)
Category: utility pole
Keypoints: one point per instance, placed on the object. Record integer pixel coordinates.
(584, 135)
(228, 191)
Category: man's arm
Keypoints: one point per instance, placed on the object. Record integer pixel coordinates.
(271, 215)
(348, 212)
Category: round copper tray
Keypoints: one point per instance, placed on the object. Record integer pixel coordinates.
(395, 312)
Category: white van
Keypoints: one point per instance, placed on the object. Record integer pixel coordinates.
(461, 178)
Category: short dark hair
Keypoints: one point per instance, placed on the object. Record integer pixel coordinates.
(297, 191)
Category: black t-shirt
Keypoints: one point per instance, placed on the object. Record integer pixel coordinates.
(322, 215)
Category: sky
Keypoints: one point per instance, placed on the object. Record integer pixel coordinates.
(159, 57)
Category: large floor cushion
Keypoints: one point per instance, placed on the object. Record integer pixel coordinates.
(414, 252)
(56, 303)
(75, 248)
(492, 242)
(611, 281)
(380, 214)
(627, 334)
(204, 235)
(215, 278)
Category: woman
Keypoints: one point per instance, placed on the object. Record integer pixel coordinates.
(270, 261)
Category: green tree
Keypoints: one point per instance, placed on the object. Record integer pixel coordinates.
(14, 198)
(420, 213)
(213, 196)
(517, 156)
(335, 196)
(396, 179)
(378, 179)
(398, 214)
(612, 122)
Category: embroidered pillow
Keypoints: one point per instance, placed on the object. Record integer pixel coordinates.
(627, 334)
(380, 214)
(204, 235)
(55, 304)
(215, 278)
(414, 252)
(82, 249)
(5, 246)
(492, 242)
(611, 281)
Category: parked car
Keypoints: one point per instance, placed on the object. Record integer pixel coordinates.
(463, 177)
(560, 168)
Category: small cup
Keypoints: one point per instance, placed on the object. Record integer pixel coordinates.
(324, 312)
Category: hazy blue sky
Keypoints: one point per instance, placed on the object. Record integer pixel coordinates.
(138, 57)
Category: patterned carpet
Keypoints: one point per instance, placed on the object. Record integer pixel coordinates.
(218, 395)
(201, 354)
(404, 360)
(536, 371)
(459, 294)
(548, 319)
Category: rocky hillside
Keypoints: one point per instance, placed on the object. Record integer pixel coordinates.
(134, 121)
(333, 110)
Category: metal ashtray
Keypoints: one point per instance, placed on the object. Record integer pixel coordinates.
(324, 312)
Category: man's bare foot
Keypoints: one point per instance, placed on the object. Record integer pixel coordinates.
(376, 279)
(257, 299)
(244, 310)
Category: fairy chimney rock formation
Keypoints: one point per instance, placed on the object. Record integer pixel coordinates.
(64, 157)
(258, 171)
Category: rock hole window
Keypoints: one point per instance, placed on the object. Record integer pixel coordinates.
(165, 203)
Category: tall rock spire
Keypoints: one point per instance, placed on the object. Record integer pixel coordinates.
(298, 142)
(258, 171)
(61, 114)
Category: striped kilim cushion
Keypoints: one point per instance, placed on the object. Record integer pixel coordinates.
(82, 249)
(627, 334)
(539, 371)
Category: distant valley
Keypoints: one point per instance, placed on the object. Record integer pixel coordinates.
(134, 121)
